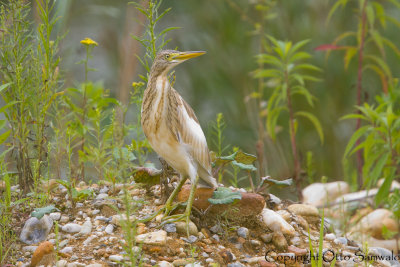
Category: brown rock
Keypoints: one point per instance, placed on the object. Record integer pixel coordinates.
(206, 232)
(264, 263)
(251, 204)
(226, 255)
(43, 255)
(297, 251)
(279, 240)
(141, 228)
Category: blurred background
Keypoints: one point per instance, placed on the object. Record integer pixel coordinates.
(221, 80)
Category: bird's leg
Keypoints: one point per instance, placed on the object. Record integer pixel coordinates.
(188, 210)
(168, 207)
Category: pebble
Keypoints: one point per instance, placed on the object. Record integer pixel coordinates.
(276, 223)
(116, 258)
(63, 243)
(236, 264)
(182, 262)
(55, 216)
(296, 241)
(255, 243)
(303, 210)
(29, 248)
(158, 238)
(35, 231)
(67, 250)
(86, 228)
(216, 237)
(95, 212)
(165, 264)
(191, 239)
(101, 196)
(216, 229)
(64, 219)
(116, 219)
(330, 236)
(243, 232)
(71, 228)
(61, 263)
(170, 228)
(181, 228)
(340, 240)
(109, 229)
(279, 241)
(266, 238)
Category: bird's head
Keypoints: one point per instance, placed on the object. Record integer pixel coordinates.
(167, 59)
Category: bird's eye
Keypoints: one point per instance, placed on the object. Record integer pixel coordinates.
(167, 56)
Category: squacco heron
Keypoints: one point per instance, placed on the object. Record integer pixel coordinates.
(173, 130)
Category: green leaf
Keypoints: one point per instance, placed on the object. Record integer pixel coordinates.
(314, 121)
(350, 53)
(377, 170)
(123, 153)
(384, 190)
(40, 212)
(2, 109)
(247, 167)
(4, 86)
(224, 195)
(225, 159)
(4, 136)
(245, 158)
(147, 175)
(271, 182)
(360, 132)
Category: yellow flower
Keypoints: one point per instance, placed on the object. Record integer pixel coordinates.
(137, 84)
(88, 41)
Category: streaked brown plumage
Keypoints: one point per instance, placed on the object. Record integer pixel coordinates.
(171, 126)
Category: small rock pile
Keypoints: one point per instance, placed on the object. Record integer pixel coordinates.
(256, 231)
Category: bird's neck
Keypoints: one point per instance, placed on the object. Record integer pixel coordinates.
(159, 84)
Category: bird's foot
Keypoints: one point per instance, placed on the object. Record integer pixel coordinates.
(167, 209)
(177, 217)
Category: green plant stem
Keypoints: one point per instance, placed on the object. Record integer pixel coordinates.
(84, 113)
(359, 90)
(293, 137)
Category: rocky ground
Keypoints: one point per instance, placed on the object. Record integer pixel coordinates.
(240, 234)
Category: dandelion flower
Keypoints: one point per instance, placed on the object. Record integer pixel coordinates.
(88, 41)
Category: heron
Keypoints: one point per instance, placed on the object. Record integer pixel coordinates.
(174, 132)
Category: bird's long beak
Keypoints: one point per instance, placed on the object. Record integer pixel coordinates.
(187, 55)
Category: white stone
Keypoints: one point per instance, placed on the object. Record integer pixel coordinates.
(109, 229)
(67, 250)
(116, 219)
(71, 228)
(102, 196)
(374, 222)
(153, 238)
(276, 223)
(303, 210)
(116, 258)
(94, 265)
(55, 216)
(29, 248)
(64, 219)
(318, 194)
(165, 264)
(330, 236)
(61, 263)
(35, 231)
(86, 228)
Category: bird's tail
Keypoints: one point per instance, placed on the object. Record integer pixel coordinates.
(206, 180)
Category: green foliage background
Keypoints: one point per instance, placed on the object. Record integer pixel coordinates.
(221, 80)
